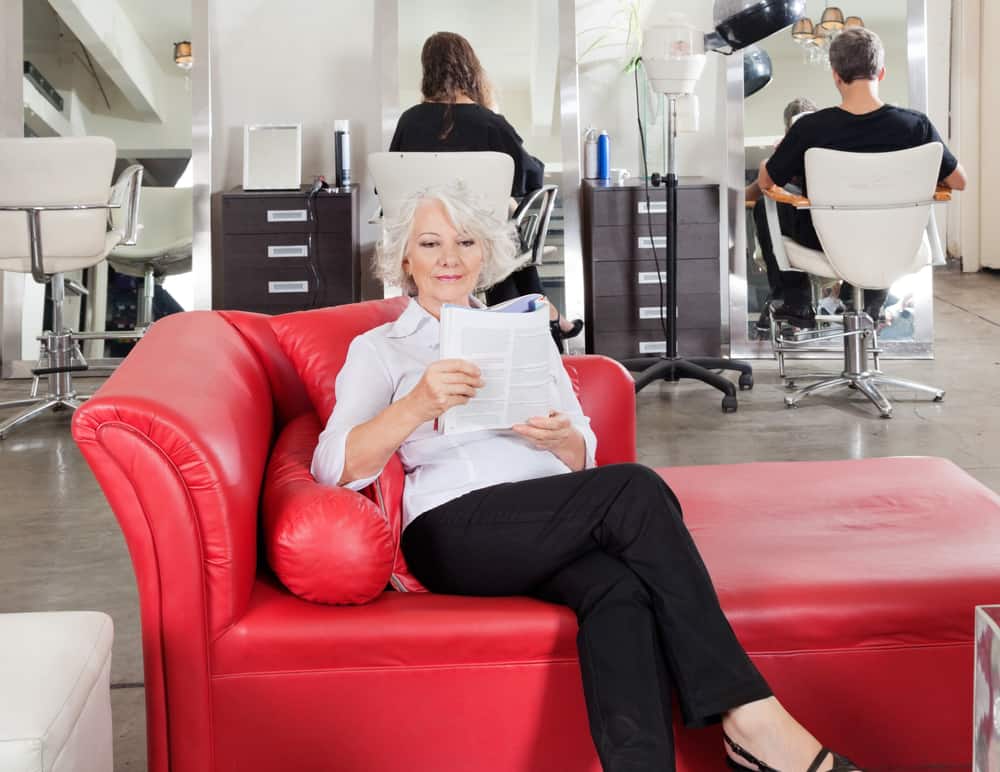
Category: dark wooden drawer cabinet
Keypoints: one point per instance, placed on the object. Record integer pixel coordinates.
(288, 252)
(623, 303)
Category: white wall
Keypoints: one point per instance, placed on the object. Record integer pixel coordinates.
(297, 61)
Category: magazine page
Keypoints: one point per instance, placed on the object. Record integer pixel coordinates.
(512, 351)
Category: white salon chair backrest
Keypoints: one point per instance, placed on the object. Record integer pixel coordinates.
(872, 248)
(56, 171)
(165, 228)
(487, 175)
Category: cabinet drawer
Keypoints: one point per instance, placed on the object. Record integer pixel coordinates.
(334, 213)
(266, 215)
(694, 311)
(628, 206)
(696, 241)
(622, 345)
(637, 278)
(279, 249)
(288, 287)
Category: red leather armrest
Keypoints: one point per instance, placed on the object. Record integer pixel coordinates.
(607, 394)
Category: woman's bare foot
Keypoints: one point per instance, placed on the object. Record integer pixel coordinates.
(769, 732)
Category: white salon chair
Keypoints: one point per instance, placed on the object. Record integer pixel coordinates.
(55, 196)
(488, 174)
(397, 176)
(871, 212)
(163, 247)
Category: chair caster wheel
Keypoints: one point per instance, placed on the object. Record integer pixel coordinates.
(746, 381)
(789, 403)
(729, 404)
(939, 397)
(790, 385)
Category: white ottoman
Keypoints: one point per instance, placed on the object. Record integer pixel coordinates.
(55, 698)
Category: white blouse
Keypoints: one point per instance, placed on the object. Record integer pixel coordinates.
(383, 365)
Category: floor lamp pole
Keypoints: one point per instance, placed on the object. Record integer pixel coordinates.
(670, 366)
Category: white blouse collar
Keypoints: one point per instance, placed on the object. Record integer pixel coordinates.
(415, 316)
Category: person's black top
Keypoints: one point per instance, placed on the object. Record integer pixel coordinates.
(475, 128)
(883, 130)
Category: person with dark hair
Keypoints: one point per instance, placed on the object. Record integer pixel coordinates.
(862, 123)
(458, 113)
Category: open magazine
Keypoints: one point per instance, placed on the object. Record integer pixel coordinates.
(510, 343)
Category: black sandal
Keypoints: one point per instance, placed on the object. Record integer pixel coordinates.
(573, 331)
(840, 764)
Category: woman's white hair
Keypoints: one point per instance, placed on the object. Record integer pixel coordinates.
(499, 240)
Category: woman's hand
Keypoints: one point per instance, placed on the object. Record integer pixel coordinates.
(444, 384)
(556, 434)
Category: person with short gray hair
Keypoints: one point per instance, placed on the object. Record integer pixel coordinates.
(861, 123)
(526, 510)
(795, 108)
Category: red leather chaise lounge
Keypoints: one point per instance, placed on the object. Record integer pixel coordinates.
(851, 583)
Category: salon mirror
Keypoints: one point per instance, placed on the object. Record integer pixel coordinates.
(528, 51)
(800, 70)
(136, 94)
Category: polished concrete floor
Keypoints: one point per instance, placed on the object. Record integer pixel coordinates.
(60, 547)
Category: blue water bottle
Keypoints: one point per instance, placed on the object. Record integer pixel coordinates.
(604, 156)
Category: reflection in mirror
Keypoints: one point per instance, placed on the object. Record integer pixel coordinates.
(517, 43)
(802, 81)
(119, 81)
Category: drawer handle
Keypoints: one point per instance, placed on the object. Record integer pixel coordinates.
(292, 250)
(656, 312)
(655, 207)
(287, 287)
(287, 215)
(652, 277)
(645, 242)
(653, 347)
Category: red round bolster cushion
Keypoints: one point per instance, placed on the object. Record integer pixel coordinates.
(328, 545)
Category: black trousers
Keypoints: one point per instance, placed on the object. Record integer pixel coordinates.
(611, 544)
(793, 286)
(524, 281)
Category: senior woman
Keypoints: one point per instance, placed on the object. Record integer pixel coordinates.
(526, 512)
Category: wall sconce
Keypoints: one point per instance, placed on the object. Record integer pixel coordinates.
(182, 54)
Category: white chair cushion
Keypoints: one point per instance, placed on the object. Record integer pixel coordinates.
(63, 264)
(809, 260)
(55, 709)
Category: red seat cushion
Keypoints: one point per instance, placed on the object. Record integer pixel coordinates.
(831, 554)
(280, 632)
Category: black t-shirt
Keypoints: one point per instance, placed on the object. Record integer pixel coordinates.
(475, 128)
(883, 130)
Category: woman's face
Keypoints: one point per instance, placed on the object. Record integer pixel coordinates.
(443, 262)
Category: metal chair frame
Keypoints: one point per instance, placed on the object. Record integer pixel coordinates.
(60, 353)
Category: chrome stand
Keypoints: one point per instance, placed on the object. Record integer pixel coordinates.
(60, 358)
(859, 331)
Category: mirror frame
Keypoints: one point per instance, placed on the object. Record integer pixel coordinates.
(740, 343)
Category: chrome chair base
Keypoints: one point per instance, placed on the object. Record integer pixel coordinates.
(858, 332)
(868, 384)
(60, 358)
(35, 408)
